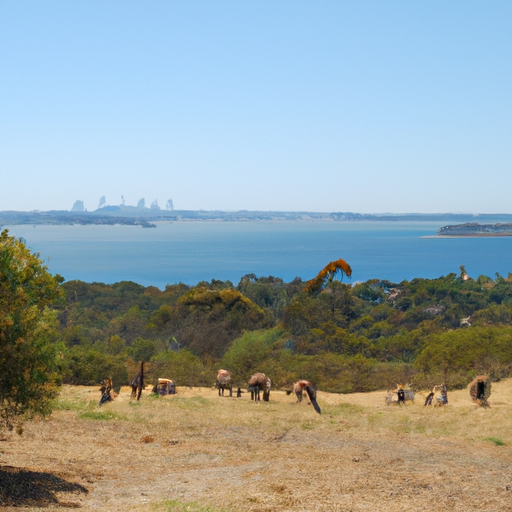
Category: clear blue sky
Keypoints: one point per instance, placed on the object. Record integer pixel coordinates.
(364, 106)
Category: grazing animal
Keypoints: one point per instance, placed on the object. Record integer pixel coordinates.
(164, 387)
(442, 399)
(409, 395)
(137, 384)
(224, 382)
(259, 382)
(106, 391)
(298, 388)
(399, 395)
(304, 385)
(430, 397)
(438, 396)
(480, 390)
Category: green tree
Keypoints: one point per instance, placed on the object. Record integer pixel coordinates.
(183, 367)
(29, 355)
(468, 352)
(115, 345)
(207, 321)
(250, 353)
(88, 367)
(142, 349)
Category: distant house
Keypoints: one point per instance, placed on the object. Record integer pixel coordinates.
(435, 309)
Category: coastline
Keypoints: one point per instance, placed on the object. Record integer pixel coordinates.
(145, 217)
(480, 235)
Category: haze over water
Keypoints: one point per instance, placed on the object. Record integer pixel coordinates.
(190, 252)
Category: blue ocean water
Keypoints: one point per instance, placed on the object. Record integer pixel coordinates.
(190, 252)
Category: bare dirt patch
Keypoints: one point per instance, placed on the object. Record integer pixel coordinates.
(199, 452)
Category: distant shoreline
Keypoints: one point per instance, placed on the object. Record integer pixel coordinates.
(482, 235)
(146, 217)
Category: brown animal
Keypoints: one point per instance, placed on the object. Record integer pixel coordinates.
(137, 384)
(438, 396)
(298, 389)
(259, 382)
(164, 387)
(224, 382)
(430, 397)
(480, 390)
(399, 395)
(106, 391)
(442, 399)
(304, 385)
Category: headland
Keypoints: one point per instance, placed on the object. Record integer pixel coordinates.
(474, 229)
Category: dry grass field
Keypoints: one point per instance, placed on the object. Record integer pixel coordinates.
(198, 452)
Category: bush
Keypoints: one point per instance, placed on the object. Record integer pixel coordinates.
(29, 355)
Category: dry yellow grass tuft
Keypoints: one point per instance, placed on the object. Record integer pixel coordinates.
(197, 452)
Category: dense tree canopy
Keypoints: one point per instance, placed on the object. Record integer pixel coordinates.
(344, 337)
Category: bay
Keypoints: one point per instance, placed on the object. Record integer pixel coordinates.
(190, 252)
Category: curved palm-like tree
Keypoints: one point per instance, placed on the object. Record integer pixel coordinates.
(327, 274)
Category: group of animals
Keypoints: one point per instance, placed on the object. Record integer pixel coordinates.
(437, 397)
(480, 389)
(259, 384)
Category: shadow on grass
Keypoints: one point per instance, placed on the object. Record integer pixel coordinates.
(22, 488)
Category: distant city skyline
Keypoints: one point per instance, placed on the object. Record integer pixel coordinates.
(331, 106)
(79, 204)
